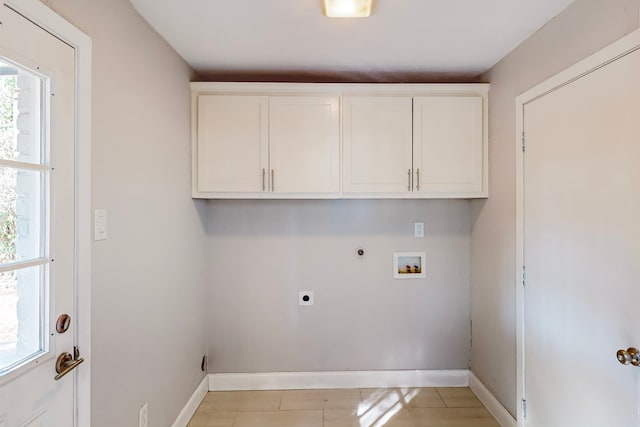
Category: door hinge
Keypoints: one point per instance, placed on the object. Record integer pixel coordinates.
(524, 141)
(524, 276)
(524, 408)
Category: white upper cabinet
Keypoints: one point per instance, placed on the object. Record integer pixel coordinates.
(232, 149)
(304, 143)
(249, 146)
(377, 144)
(313, 141)
(448, 148)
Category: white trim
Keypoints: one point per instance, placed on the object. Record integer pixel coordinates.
(337, 379)
(23, 165)
(495, 408)
(231, 88)
(192, 404)
(622, 47)
(58, 26)
(19, 265)
(616, 50)
(520, 315)
(333, 196)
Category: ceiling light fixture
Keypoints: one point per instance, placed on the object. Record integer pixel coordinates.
(347, 8)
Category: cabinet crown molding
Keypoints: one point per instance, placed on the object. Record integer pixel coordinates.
(408, 89)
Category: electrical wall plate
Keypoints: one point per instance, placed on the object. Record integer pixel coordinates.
(99, 224)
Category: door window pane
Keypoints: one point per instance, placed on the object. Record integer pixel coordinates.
(20, 115)
(21, 215)
(21, 316)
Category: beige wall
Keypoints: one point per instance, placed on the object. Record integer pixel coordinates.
(261, 253)
(582, 29)
(148, 311)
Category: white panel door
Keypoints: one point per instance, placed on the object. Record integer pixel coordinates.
(377, 137)
(233, 145)
(448, 144)
(304, 144)
(36, 223)
(581, 249)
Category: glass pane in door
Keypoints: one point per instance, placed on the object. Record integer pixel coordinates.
(21, 316)
(20, 114)
(23, 217)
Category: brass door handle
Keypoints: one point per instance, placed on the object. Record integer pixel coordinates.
(629, 356)
(65, 364)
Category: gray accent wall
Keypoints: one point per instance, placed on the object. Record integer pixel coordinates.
(260, 254)
(581, 30)
(148, 276)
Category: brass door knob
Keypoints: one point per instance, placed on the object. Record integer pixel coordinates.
(630, 356)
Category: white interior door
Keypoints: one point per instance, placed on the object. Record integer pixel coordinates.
(37, 231)
(581, 249)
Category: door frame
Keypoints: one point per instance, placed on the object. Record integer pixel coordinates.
(626, 45)
(49, 20)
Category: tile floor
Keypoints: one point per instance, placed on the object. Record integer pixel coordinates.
(389, 407)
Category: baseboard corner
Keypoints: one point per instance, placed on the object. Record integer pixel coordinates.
(192, 404)
(495, 408)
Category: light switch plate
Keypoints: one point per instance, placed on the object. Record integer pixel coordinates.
(100, 224)
(418, 229)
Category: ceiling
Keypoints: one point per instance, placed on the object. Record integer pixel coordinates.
(412, 38)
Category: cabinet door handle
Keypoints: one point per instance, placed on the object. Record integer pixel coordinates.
(273, 182)
(409, 178)
(418, 179)
(263, 182)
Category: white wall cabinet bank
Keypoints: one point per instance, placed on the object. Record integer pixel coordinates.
(286, 141)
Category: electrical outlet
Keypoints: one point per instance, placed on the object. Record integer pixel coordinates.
(305, 298)
(418, 229)
(143, 416)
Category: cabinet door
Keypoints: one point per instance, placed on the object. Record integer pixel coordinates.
(232, 143)
(448, 143)
(377, 144)
(304, 143)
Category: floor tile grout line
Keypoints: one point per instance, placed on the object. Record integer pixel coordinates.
(441, 397)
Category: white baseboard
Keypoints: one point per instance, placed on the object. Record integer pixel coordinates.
(192, 404)
(339, 379)
(504, 418)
